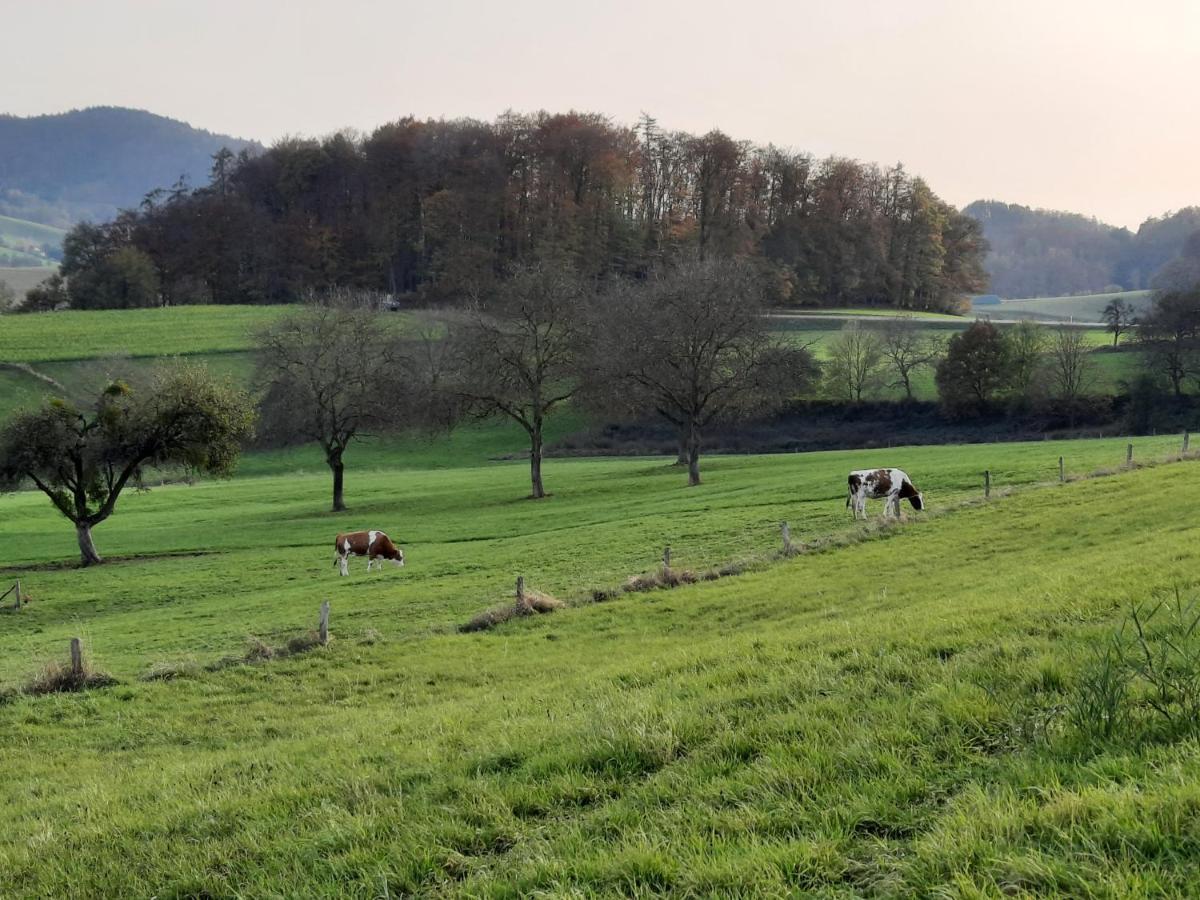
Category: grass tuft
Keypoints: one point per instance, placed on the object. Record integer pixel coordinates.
(169, 670)
(59, 678)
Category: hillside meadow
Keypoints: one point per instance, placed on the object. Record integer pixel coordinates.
(883, 717)
(1079, 308)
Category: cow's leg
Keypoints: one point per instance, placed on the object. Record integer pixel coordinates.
(344, 565)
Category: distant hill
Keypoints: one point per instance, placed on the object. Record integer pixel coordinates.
(88, 163)
(1047, 253)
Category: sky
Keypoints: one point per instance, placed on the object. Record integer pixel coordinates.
(1084, 105)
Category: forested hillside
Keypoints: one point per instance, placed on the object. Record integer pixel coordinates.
(88, 163)
(1046, 253)
(437, 209)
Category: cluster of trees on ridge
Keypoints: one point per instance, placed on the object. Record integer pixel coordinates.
(1048, 253)
(689, 344)
(435, 209)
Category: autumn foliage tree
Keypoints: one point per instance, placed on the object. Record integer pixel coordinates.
(436, 209)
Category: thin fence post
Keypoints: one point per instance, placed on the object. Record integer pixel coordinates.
(1129, 455)
(667, 562)
(323, 624)
(987, 484)
(520, 593)
(787, 537)
(76, 657)
(1062, 472)
(1185, 443)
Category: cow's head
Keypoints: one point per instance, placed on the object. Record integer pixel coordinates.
(917, 500)
(397, 556)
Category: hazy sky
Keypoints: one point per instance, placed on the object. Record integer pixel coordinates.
(1087, 105)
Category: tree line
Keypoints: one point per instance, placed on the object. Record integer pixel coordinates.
(435, 210)
(1048, 253)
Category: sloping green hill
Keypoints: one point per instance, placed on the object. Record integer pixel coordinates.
(882, 718)
(1081, 308)
(28, 244)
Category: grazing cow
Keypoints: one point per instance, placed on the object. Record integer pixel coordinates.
(374, 545)
(889, 485)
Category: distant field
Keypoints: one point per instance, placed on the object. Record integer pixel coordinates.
(870, 311)
(40, 337)
(1085, 308)
(20, 242)
(22, 278)
(20, 229)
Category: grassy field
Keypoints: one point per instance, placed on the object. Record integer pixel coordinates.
(21, 279)
(88, 334)
(1083, 308)
(871, 312)
(881, 718)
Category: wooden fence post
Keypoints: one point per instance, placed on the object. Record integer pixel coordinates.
(76, 657)
(787, 538)
(666, 562)
(1185, 443)
(987, 484)
(323, 624)
(1129, 455)
(1062, 472)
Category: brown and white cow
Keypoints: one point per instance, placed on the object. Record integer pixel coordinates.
(374, 545)
(889, 485)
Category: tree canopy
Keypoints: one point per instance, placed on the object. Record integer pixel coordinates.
(438, 208)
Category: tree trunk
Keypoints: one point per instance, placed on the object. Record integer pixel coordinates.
(339, 477)
(87, 549)
(535, 466)
(693, 456)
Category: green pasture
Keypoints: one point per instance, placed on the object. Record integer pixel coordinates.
(1081, 308)
(172, 331)
(880, 718)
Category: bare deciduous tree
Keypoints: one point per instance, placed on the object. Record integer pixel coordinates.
(856, 361)
(906, 350)
(1118, 318)
(516, 356)
(1026, 357)
(332, 374)
(1072, 369)
(691, 345)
